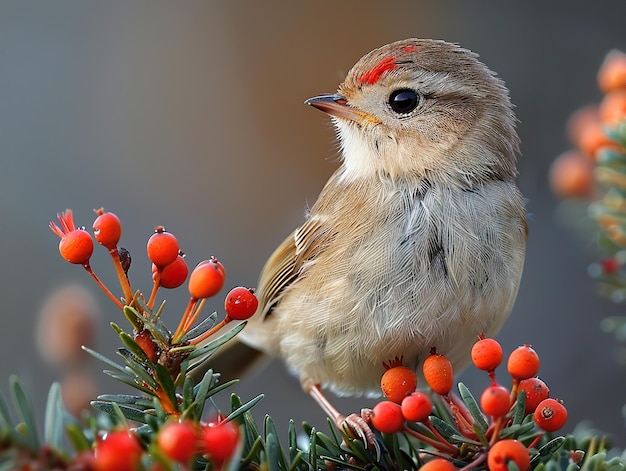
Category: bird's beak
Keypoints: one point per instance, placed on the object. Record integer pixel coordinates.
(337, 106)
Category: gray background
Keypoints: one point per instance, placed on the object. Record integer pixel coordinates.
(190, 114)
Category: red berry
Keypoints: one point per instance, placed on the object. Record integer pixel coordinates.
(506, 451)
(550, 415)
(76, 246)
(523, 363)
(387, 417)
(162, 247)
(398, 382)
(495, 401)
(240, 303)
(536, 391)
(438, 464)
(178, 440)
(107, 229)
(438, 374)
(206, 279)
(486, 354)
(119, 450)
(220, 440)
(416, 407)
(610, 265)
(172, 275)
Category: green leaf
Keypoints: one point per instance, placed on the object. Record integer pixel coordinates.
(105, 360)
(473, 408)
(244, 408)
(140, 402)
(188, 396)
(218, 342)
(164, 379)
(126, 379)
(54, 417)
(136, 368)
(313, 449)
(202, 327)
(201, 391)
(547, 451)
(275, 460)
(114, 409)
(25, 411)
(130, 343)
(76, 437)
(520, 406)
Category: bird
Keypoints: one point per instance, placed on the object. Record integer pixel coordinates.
(416, 241)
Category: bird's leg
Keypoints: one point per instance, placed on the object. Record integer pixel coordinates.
(355, 423)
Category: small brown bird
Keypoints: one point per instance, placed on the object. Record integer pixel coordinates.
(416, 241)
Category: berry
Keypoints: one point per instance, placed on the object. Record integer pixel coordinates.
(610, 265)
(416, 407)
(76, 247)
(495, 401)
(505, 451)
(592, 138)
(119, 450)
(219, 440)
(172, 275)
(438, 464)
(438, 374)
(398, 382)
(206, 279)
(486, 354)
(613, 108)
(523, 362)
(571, 175)
(550, 415)
(107, 229)
(612, 73)
(178, 440)
(162, 247)
(387, 417)
(240, 303)
(536, 391)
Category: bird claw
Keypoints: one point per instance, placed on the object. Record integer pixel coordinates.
(358, 425)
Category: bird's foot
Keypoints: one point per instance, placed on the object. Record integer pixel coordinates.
(358, 426)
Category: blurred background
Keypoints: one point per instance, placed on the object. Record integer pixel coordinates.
(191, 115)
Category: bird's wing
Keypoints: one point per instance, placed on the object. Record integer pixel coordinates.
(285, 265)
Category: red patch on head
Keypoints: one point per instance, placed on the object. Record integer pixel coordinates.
(410, 48)
(373, 75)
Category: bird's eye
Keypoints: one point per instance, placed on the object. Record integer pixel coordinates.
(404, 100)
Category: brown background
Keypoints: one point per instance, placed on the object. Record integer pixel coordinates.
(190, 114)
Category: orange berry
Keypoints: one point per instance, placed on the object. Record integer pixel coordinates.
(613, 108)
(416, 407)
(505, 451)
(550, 415)
(387, 417)
(612, 73)
(571, 175)
(206, 279)
(437, 371)
(592, 138)
(107, 229)
(523, 362)
(438, 464)
(536, 391)
(162, 247)
(580, 119)
(178, 440)
(219, 440)
(173, 274)
(76, 247)
(118, 450)
(495, 400)
(486, 354)
(240, 303)
(398, 382)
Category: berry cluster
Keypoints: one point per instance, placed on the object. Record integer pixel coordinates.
(502, 427)
(595, 170)
(158, 360)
